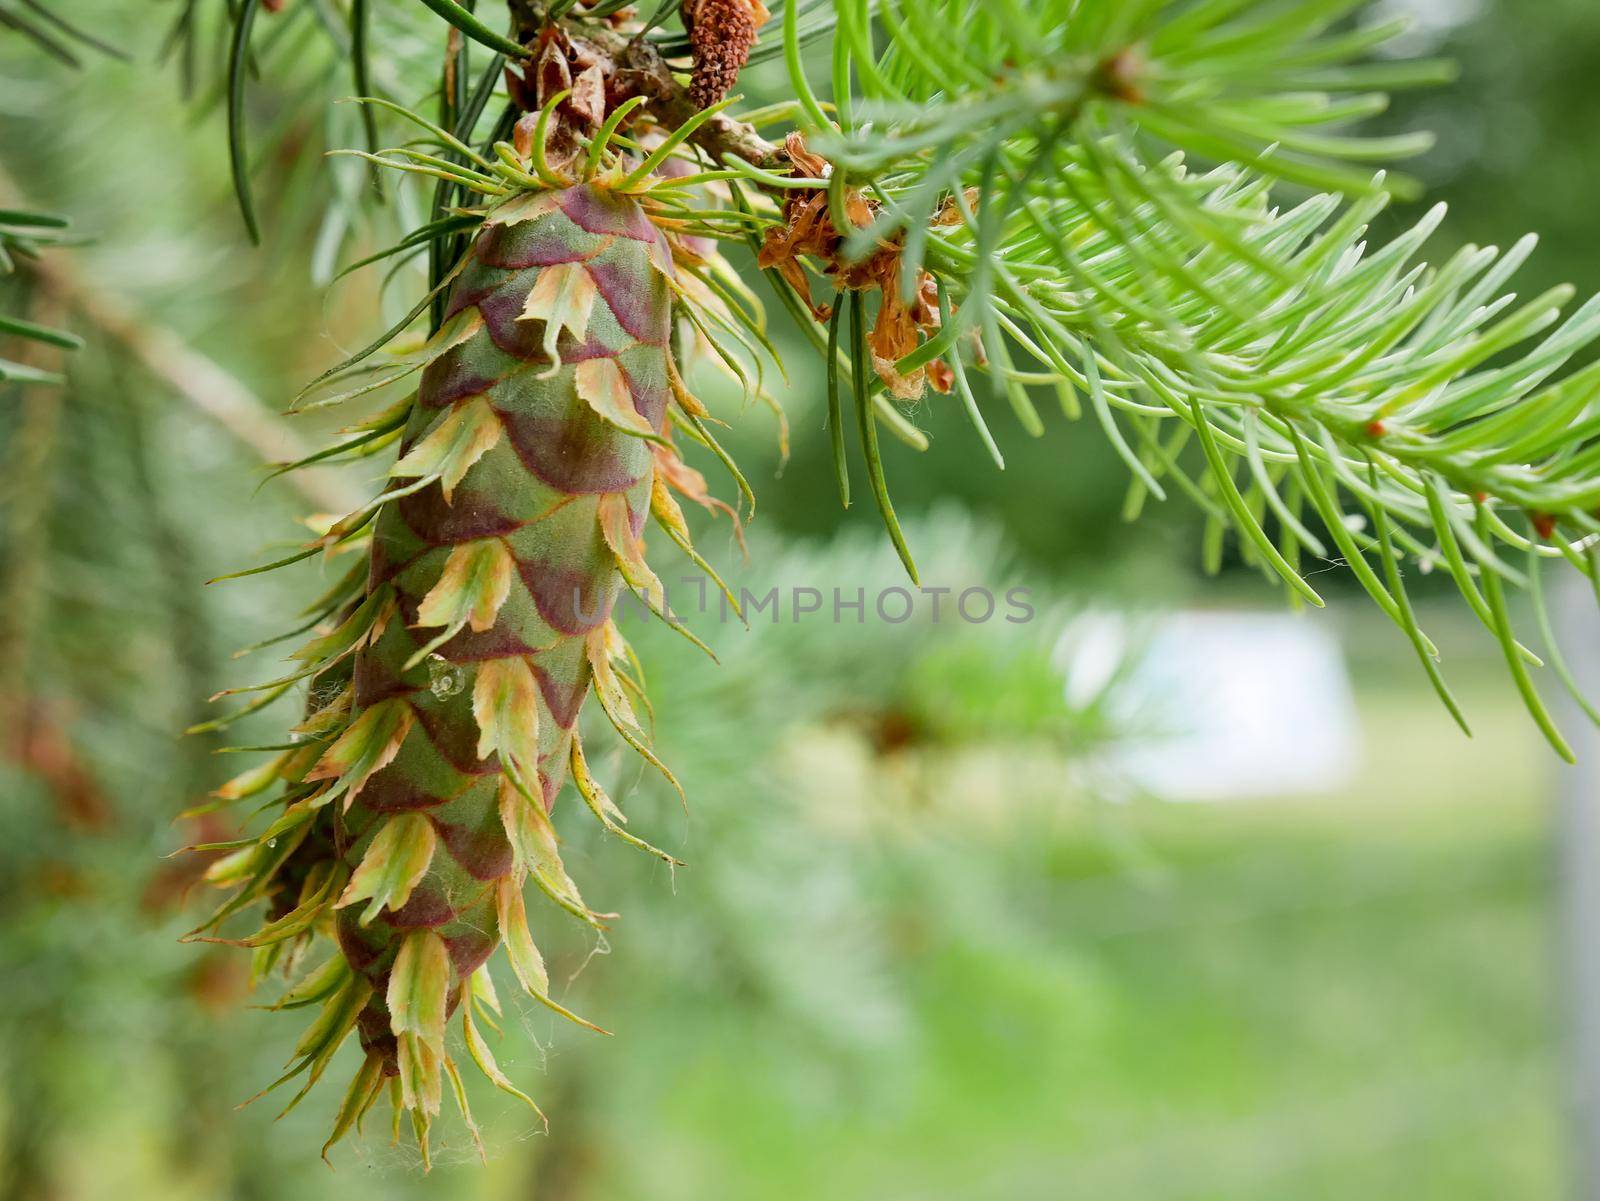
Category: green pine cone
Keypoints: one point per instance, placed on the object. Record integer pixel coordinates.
(503, 580)
(533, 455)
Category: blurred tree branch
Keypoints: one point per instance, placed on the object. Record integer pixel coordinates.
(199, 380)
(194, 377)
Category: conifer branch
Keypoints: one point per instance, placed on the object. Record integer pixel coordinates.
(1073, 200)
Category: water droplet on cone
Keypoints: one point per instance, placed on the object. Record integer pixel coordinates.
(444, 678)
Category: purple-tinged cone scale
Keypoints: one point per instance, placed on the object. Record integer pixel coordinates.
(527, 513)
(446, 700)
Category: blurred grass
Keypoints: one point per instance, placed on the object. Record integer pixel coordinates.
(1341, 996)
(1334, 997)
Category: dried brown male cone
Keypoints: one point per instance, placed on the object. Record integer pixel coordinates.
(721, 35)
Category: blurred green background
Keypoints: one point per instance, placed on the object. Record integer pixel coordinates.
(926, 947)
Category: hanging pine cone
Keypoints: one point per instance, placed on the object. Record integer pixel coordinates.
(721, 34)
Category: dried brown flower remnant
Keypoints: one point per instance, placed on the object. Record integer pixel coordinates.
(561, 64)
(900, 328)
(721, 34)
(808, 232)
(1122, 76)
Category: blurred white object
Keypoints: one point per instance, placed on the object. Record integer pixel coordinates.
(1223, 705)
(1429, 22)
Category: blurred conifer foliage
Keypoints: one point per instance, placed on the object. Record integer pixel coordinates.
(1152, 223)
